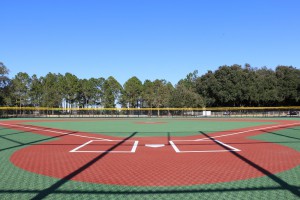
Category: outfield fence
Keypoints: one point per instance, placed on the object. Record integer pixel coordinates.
(10, 112)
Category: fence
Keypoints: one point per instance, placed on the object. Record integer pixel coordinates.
(12, 112)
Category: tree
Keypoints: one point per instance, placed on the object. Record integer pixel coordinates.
(185, 93)
(90, 91)
(169, 91)
(70, 88)
(132, 92)
(51, 96)
(84, 92)
(190, 81)
(35, 91)
(230, 84)
(288, 79)
(227, 86)
(98, 92)
(3, 75)
(207, 86)
(21, 84)
(183, 97)
(112, 91)
(4, 83)
(162, 93)
(249, 88)
(266, 87)
(148, 93)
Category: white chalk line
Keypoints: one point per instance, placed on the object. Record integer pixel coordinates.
(247, 131)
(225, 135)
(174, 147)
(76, 150)
(79, 147)
(136, 142)
(230, 148)
(59, 132)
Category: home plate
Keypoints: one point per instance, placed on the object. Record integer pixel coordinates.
(154, 145)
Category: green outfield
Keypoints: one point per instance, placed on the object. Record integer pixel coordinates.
(147, 127)
(16, 183)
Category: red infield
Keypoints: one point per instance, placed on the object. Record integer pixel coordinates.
(155, 161)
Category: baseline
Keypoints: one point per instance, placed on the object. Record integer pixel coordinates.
(109, 143)
(188, 143)
(52, 131)
(247, 131)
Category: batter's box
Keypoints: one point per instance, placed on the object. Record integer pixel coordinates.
(113, 146)
(200, 146)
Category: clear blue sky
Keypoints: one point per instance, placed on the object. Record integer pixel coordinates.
(164, 39)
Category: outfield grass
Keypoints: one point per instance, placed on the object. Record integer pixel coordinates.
(16, 183)
(125, 127)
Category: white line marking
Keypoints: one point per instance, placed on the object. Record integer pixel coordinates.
(174, 147)
(79, 147)
(225, 135)
(208, 151)
(136, 142)
(101, 152)
(154, 145)
(247, 131)
(134, 146)
(205, 151)
(76, 150)
(226, 145)
(62, 133)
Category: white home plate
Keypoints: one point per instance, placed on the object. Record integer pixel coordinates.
(154, 145)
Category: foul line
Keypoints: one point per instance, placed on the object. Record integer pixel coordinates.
(247, 131)
(62, 133)
(136, 142)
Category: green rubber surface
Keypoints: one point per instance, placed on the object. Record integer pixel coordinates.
(148, 127)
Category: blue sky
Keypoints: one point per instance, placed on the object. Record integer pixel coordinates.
(150, 39)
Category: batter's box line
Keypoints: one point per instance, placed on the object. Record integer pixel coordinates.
(133, 149)
(230, 148)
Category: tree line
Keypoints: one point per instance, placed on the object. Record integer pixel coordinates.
(233, 85)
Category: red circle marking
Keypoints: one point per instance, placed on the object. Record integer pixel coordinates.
(157, 166)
